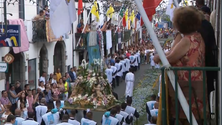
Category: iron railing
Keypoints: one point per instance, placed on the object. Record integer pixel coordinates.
(189, 69)
(39, 31)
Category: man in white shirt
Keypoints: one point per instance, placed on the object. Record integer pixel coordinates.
(114, 75)
(19, 119)
(54, 79)
(88, 120)
(41, 110)
(109, 74)
(110, 120)
(72, 118)
(129, 80)
(119, 71)
(43, 77)
(30, 120)
(65, 119)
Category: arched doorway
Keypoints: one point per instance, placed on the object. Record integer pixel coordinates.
(59, 57)
(43, 62)
(16, 70)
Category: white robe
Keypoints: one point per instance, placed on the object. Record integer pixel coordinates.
(109, 74)
(152, 63)
(19, 120)
(154, 112)
(64, 123)
(129, 80)
(85, 121)
(40, 111)
(30, 122)
(51, 119)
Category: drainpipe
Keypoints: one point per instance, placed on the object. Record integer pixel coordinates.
(5, 17)
(220, 63)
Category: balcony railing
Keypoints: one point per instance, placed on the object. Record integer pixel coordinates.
(127, 36)
(83, 42)
(39, 31)
(190, 93)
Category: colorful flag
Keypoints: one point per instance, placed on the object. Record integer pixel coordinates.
(150, 7)
(170, 9)
(122, 11)
(124, 21)
(129, 27)
(132, 16)
(110, 12)
(62, 12)
(95, 11)
(80, 7)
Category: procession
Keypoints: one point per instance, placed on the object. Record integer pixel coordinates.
(114, 62)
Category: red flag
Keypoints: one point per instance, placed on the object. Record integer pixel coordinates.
(124, 21)
(80, 7)
(150, 8)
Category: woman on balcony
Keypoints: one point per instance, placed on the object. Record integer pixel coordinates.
(188, 52)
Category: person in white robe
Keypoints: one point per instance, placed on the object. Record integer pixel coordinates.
(150, 106)
(52, 116)
(127, 64)
(136, 61)
(152, 63)
(118, 115)
(72, 119)
(30, 120)
(19, 119)
(109, 118)
(132, 61)
(154, 112)
(65, 119)
(124, 66)
(119, 71)
(41, 110)
(129, 80)
(138, 58)
(114, 75)
(88, 120)
(128, 118)
(131, 110)
(109, 74)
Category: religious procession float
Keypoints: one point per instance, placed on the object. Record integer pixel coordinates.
(91, 89)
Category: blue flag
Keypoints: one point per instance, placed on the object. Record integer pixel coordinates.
(138, 16)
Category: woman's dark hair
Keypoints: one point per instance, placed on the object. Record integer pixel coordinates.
(186, 20)
(22, 100)
(10, 118)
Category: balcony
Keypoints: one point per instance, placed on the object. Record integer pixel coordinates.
(127, 36)
(42, 32)
(39, 31)
(83, 41)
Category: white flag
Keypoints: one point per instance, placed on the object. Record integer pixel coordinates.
(62, 15)
(114, 20)
(170, 9)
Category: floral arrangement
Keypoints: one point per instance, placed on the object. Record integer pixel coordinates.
(91, 88)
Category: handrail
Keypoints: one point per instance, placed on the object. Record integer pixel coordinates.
(189, 69)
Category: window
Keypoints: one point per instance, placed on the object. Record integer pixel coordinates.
(21, 9)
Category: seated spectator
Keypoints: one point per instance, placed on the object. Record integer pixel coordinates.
(46, 9)
(40, 16)
(79, 26)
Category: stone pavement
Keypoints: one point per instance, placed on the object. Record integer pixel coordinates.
(120, 90)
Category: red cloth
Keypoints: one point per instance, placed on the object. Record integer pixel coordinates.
(124, 21)
(80, 7)
(150, 8)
